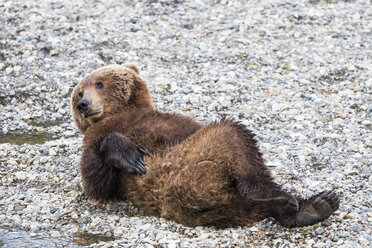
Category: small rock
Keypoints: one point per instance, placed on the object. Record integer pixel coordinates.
(16, 70)
(351, 172)
(34, 227)
(8, 70)
(40, 129)
(55, 234)
(366, 170)
(204, 236)
(172, 244)
(118, 232)
(349, 216)
(19, 207)
(52, 152)
(20, 175)
(145, 227)
(366, 123)
(53, 210)
(43, 160)
(320, 230)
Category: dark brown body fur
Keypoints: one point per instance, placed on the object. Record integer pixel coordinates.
(195, 175)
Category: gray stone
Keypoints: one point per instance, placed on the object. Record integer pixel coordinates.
(320, 230)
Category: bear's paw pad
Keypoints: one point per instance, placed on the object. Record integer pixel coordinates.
(318, 209)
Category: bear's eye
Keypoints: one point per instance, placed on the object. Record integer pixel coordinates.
(99, 85)
(81, 94)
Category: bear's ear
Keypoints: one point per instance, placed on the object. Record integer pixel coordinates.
(133, 67)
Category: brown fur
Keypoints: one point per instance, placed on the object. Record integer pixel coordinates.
(196, 175)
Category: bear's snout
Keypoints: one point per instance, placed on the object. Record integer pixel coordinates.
(83, 106)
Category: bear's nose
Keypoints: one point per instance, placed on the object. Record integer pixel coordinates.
(83, 106)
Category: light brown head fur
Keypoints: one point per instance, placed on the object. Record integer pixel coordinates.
(109, 90)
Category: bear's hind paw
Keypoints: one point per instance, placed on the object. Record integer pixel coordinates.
(318, 208)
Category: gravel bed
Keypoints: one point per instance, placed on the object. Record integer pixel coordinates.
(297, 73)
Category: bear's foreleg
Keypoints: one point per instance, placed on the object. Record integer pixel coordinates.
(102, 164)
(100, 180)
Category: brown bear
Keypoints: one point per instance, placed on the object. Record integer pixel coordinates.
(174, 167)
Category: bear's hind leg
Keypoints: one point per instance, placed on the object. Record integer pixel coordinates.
(256, 186)
(261, 190)
(287, 209)
(284, 200)
(311, 211)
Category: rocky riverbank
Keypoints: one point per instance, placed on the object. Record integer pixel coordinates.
(297, 73)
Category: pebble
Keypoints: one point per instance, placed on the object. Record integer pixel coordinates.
(145, 227)
(204, 236)
(366, 170)
(366, 122)
(55, 234)
(320, 230)
(8, 70)
(52, 152)
(305, 95)
(43, 160)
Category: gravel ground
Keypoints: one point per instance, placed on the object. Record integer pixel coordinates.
(297, 73)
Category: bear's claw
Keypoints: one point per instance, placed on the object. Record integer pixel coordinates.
(143, 151)
(132, 163)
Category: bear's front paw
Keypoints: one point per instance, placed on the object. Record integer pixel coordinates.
(132, 162)
(123, 153)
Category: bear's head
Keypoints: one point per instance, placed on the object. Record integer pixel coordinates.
(106, 91)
